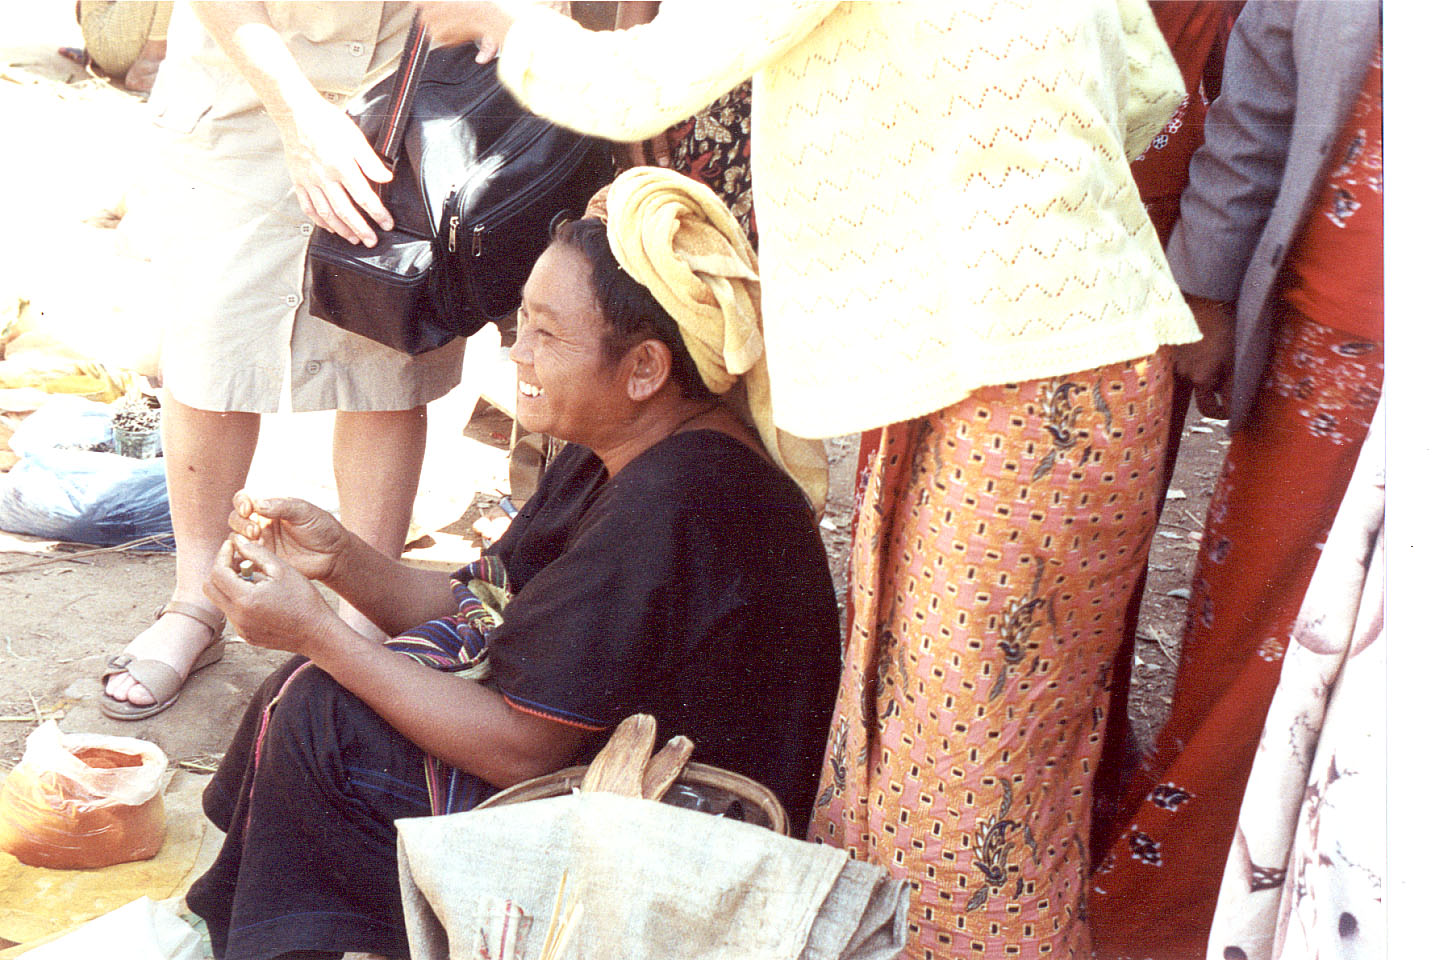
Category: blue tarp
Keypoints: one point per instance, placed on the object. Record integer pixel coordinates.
(62, 491)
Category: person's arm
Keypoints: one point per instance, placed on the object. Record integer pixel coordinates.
(329, 159)
(392, 594)
(461, 722)
(1155, 85)
(1235, 174)
(634, 13)
(654, 152)
(1234, 178)
(1208, 362)
(631, 84)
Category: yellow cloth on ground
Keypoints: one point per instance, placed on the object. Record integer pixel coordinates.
(36, 902)
(34, 362)
(678, 240)
(91, 381)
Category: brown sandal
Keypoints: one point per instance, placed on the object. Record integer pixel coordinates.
(157, 676)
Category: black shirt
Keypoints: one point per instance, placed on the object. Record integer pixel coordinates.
(692, 586)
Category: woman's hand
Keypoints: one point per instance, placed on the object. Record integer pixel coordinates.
(272, 605)
(484, 24)
(300, 534)
(333, 167)
(328, 157)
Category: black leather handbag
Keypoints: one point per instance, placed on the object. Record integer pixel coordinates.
(478, 180)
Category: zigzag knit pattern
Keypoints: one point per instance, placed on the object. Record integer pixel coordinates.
(943, 187)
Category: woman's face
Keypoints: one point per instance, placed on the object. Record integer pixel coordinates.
(568, 388)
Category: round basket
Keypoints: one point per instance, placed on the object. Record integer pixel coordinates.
(700, 787)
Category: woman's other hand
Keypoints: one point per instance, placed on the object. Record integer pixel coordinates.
(484, 24)
(269, 602)
(299, 533)
(333, 168)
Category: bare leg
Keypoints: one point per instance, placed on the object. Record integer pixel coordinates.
(377, 458)
(207, 456)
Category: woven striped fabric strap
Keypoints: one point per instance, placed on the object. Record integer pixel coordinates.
(412, 62)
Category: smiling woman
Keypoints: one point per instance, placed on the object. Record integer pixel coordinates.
(566, 379)
(582, 375)
(665, 565)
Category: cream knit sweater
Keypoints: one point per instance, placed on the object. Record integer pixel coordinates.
(942, 188)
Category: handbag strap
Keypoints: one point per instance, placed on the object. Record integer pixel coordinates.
(412, 62)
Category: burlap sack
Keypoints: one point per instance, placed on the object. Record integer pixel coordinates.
(655, 883)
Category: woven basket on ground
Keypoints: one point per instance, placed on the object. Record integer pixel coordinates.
(699, 787)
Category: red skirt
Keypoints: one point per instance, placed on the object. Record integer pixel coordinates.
(1278, 492)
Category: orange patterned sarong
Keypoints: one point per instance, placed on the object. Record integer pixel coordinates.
(996, 547)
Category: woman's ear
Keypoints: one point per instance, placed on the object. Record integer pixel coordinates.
(649, 362)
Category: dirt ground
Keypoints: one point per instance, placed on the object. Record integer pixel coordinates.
(64, 607)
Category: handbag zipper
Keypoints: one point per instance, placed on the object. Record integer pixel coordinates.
(452, 202)
(502, 211)
(486, 172)
(516, 200)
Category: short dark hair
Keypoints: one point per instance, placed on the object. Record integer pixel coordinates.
(632, 312)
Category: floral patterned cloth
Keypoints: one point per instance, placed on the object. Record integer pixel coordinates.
(1305, 877)
(714, 147)
(1196, 32)
(1326, 279)
(1278, 491)
(996, 548)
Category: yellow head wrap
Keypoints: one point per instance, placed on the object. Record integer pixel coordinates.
(678, 240)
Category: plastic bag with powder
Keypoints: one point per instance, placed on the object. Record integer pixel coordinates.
(81, 801)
